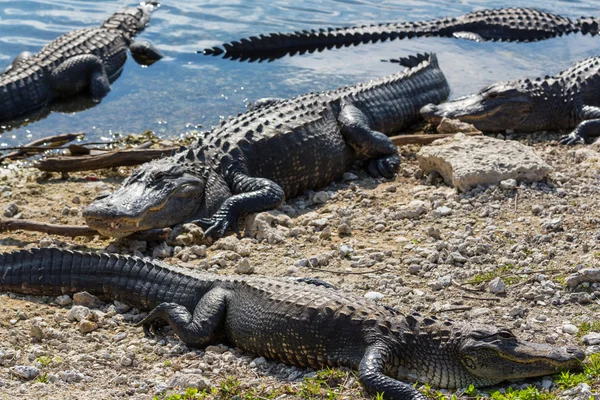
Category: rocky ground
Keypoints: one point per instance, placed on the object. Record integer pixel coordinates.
(499, 254)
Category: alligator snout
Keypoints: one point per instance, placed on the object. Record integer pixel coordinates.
(431, 113)
(576, 352)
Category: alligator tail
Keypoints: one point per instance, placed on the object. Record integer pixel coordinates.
(508, 24)
(53, 272)
(588, 25)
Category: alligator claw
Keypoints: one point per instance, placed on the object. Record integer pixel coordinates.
(572, 139)
(204, 223)
(385, 166)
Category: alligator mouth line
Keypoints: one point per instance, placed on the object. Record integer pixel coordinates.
(556, 364)
(477, 116)
(118, 223)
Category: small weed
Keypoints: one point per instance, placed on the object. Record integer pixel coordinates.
(503, 272)
(43, 378)
(588, 327)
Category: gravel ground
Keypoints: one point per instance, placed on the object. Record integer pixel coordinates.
(497, 255)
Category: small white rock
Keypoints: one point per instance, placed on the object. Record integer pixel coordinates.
(63, 300)
(508, 184)
(497, 286)
(570, 329)
(25, 372)
(442, 211)
(375, 296)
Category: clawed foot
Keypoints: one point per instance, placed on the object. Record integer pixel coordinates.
(385, 166)
(571, 139)
(217, 227)
(152, 324)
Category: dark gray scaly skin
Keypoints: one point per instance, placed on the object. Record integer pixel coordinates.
(253, 162)
(84, 60)
(303, 324)
(506, 24)
(565, 101)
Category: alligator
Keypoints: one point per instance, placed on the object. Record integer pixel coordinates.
(297, 323)
(84, 60)
(565, 101)
(505, 24)
(253, 162)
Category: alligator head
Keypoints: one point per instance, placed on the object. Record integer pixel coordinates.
(493, 354)
(517, 105)
(158, 194)
(481, 355)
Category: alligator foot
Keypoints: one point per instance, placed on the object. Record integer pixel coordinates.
(217, 226)
(385, 166)
(197, 329)
(572, 139)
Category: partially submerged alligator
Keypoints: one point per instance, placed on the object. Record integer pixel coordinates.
(565, 101)
(506, 24)
(308, 325)
(256, 160)
(82, 60)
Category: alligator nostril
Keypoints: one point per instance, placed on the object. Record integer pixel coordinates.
(576, 351)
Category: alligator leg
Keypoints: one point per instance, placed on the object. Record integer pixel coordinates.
(589, 127)
(196, 330)
(77, 72)
(368, 143)
(250, 195)
(371, 375)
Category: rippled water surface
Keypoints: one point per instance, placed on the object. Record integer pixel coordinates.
(186, 89)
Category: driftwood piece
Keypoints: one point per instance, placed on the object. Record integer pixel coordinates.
(43, 144)
(117, 158)
(10, 224)
(425, 138)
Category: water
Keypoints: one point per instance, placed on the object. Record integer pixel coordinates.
(187, 89)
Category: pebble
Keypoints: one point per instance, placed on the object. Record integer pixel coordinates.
(591, 339)
(121, 307)
(320, 197)
(442, 211)
(570, 329)
(375, 296)
(25, 372)
(78, 313)
(537, 209)
(497, 286)
(63, 300)
(87, 300)
(244, 267)
(11, 210)
(71, 376)
(433, 232)
(344, 229)
(183, 381)
(345, 250)
(86, 326)
(119, 336)
(552, 225)
(126, 361)
(292, 271)
(508, 184)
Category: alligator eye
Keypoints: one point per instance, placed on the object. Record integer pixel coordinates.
(506, 334)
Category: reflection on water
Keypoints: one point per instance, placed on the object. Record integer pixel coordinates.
(186, 89)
